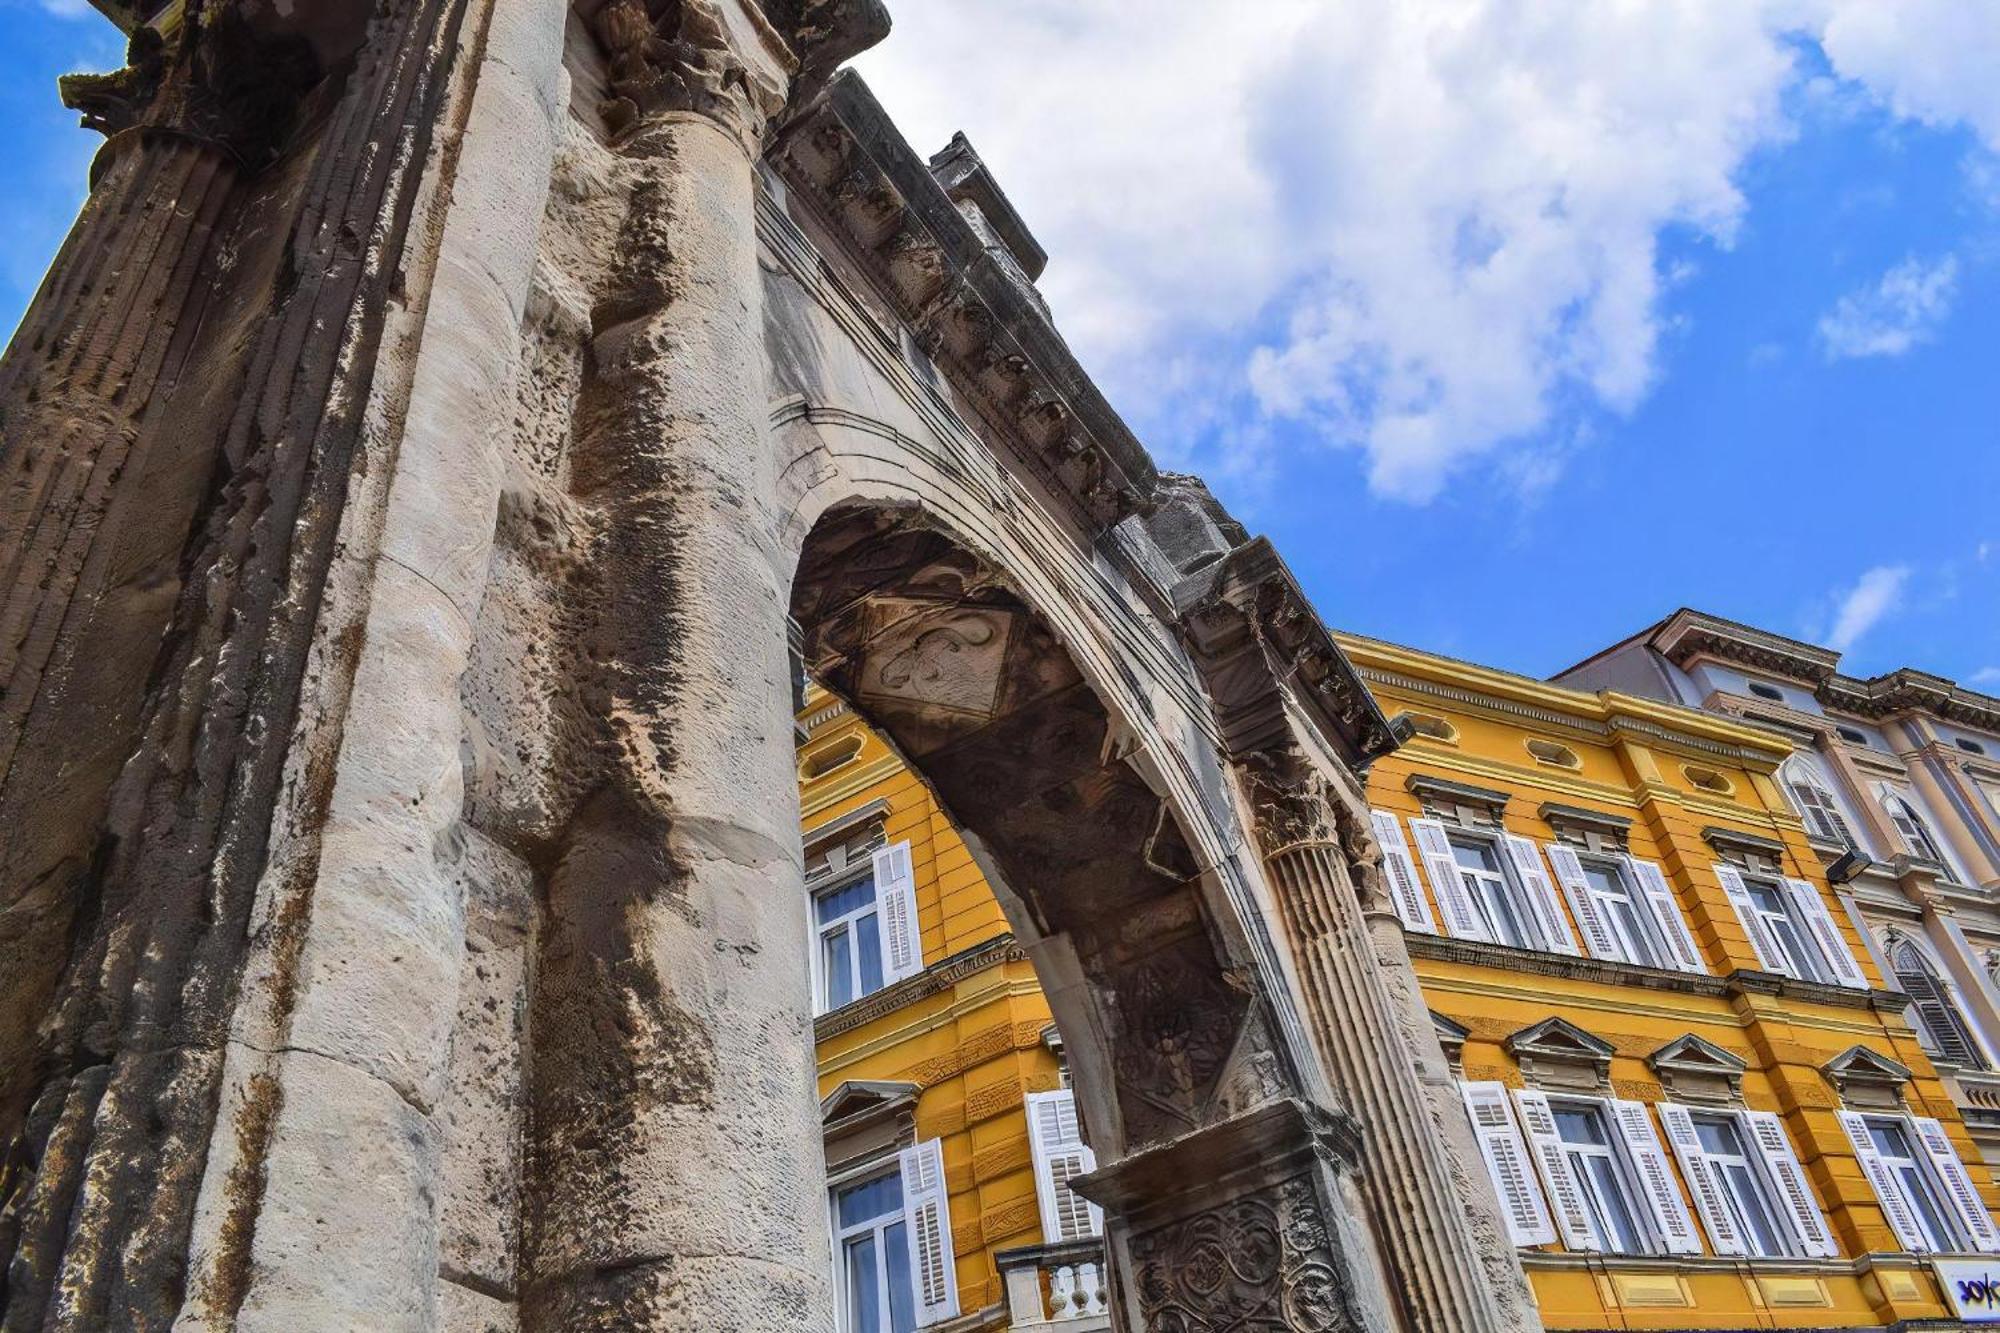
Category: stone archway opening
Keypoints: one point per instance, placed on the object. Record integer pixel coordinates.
(1167, 1034)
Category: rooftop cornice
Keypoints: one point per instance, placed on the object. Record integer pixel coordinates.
(1688, 634)
(1911, 691)
(1602, 715)
(981, 325)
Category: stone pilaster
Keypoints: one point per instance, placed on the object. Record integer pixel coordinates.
(676, 1173)
(1407, 1176)
(181, 400)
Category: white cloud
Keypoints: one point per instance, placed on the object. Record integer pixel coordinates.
(1876, 595)
(1899, 311)
(1426, 229)
(1985, 676)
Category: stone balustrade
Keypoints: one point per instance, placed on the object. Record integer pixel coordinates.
(1060, 1286)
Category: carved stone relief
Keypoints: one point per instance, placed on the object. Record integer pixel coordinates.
(1261, 1263)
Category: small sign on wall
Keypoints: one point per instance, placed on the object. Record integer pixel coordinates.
(1971, 1288)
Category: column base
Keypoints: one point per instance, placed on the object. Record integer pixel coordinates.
(1249, 1223)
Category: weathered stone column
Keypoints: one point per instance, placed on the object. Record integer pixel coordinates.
(676, 1172)
(1407, 1175)
(1294, 717)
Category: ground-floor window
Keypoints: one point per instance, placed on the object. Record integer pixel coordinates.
(876, 1294)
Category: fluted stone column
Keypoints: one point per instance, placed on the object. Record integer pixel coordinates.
(676, 1170)
(1405, 1174)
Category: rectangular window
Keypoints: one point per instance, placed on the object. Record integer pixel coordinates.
(864, 930)
(1588, 1143)
(1479, 870)
(1741, 1184)
(1627, 917)
(1797, 955)
(893, 1265)
(850, 942)
(1901, 1159)
(872, 1257)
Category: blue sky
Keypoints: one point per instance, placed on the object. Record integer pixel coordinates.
(1515, 329)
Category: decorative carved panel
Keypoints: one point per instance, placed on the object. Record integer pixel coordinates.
(1266, 1262)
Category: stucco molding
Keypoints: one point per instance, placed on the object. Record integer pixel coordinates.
(933, 980)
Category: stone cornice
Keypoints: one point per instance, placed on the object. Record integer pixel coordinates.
(1689, 635)
(1265, 651)
(844, 160)
(938, 977)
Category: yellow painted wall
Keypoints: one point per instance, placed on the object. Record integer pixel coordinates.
(975, 1049)
(1639, 775)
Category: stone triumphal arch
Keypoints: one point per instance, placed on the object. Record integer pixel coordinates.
(447, 430)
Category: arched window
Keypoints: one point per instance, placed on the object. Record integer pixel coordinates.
(1816, 804)
(1935, 1001)
(1910, 826)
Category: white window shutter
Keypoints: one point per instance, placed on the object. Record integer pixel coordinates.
(1738, 892)
(1055, 1139)
(1795, 1196)
(1826, 934)
(896, 903)
(927, 1222)
(1657, 894)
(1538, 1122)
(1704, 1182)
(1597, 936)
(1406, 891)
(1545, 910)
(1671, 1220)
(1506, 1155)
(1461, 918)
(1958, 1187)
(1888, 1190)
(814, 968)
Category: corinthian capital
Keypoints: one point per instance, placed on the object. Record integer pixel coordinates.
(717, 58)
(233, 76)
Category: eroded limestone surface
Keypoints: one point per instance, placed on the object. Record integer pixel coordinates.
(422, 460)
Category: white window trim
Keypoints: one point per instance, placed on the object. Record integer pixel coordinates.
(1939, 1166)
(899, 1162)
(1625, 1174)
(1715, 1190)
(895, 908)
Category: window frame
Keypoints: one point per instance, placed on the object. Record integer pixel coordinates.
(1753, 1173)
(1648, 950)
(1612, 1151)
(1947, 998)
(1914, 1176)
(867, 1173)
(1809, 965)
(1818, 807)
(823, 994)
(1511, 894)
(1913, 830)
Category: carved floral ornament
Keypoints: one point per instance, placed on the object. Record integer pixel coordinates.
(682, 55)
(1262, 1262)
(225, 81)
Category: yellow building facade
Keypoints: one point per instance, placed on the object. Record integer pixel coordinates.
(952, 1056)
(1774, 1148)
(1699, 1105)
